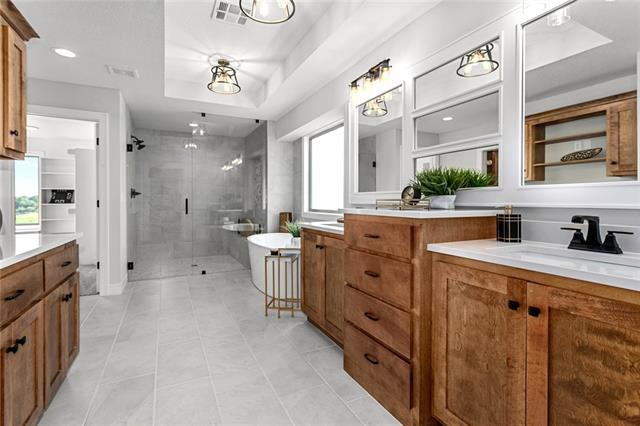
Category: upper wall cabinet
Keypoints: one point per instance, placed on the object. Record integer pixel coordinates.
(580, 105)
(16, 31)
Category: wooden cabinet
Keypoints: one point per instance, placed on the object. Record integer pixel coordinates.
(323, 281)
(22, 369)
(39, 338)
(513, 347)
(622, 141)
(15, 32)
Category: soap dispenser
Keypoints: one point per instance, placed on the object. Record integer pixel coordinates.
(509, 226)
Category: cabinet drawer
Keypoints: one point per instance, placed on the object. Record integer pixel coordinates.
(380, 237)
(59, 266)
(387, 279)
(382, 373)
(19, 290)
(384, 322)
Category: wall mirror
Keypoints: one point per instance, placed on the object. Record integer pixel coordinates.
(580, 105)
(379, 143)
(473, 119)
(484, 159)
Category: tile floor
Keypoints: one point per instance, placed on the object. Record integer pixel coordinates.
(151, 267)
(197, 350)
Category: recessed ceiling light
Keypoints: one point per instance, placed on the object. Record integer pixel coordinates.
(193, 124)
(447, 118)
(64, 52)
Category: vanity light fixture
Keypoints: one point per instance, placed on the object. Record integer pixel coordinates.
(223, 79)
(66, 53)
(192, 124)
(190, 145)
(236, 161)
(375, 107)
(226, 167)
(268, 11)
(478, 62)
(365, 82)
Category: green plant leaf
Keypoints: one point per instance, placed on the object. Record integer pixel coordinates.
(448, 180)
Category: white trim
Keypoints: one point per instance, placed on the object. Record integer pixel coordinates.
(102, 120)
(116, 288)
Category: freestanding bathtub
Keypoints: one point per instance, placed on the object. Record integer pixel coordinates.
(261, 245)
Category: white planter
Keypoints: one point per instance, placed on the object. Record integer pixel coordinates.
(295, 242)
(446, 202)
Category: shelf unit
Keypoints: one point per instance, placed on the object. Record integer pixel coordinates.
(57, 174)
(619, 128)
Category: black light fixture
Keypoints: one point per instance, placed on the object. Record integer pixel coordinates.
(223, 79)
(478, 62)
(268, 11)
(138, 142)
(375, 107)
(376, 73)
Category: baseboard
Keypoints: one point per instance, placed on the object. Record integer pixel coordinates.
(118, 288)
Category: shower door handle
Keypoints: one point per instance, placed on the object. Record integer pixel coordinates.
(186, 206)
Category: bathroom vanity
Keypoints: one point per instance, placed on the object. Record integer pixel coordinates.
(39, 320)
(534, 333)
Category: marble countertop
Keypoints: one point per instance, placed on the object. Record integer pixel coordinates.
(331, 227)
(16, 248)
(622, 271)
(424, 214)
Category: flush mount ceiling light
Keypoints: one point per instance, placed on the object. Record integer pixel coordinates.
(366, 82)
(375, 108)
(477, 62)
(64, 52)
(223, 79)
(268, 11)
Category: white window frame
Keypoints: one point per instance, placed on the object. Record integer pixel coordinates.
(25, 229)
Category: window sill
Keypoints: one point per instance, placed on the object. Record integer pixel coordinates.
(307, 216)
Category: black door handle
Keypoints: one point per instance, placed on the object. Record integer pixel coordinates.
(513, 305)
(372, 359)
(65, 264)
(533, 311)
(15, 295)
(372, 317)
(372, 274)
(186, 206)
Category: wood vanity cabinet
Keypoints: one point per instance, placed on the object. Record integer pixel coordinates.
(39, 335)
(512, 347)
(15, 32)
(323, 281)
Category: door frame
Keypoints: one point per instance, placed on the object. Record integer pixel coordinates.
(102, 132)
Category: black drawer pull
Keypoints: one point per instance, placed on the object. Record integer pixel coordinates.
(613, 163)
(372, 359)
(21, 341)
(372, 317)
(67, 297)
(372, 236)
(15, 295)
(533, 311)
(372, 274)
(66, 263)
(513, 305)
(319, 246)
(12, 349)
(14, 132)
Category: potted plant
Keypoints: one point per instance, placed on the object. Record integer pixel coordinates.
(294, 230)
(441, 184)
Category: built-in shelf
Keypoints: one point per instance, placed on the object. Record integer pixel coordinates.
(571, 138)
(58, 219)
(566, 163)
(56, 188)
(58, 173)
(59, 204)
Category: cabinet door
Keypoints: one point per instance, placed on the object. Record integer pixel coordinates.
(334, 286)
(582, 359)
(313, 277)
(22, 369)
(14, 59)
(54, 339)
(479, 324)
(622, 141)
(71, 315)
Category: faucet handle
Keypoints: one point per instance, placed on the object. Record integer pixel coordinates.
(610, 244)
(578, 237)
(619, 232)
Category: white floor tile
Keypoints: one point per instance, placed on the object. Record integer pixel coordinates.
(180, 362)
(319, 406)
(191, 403)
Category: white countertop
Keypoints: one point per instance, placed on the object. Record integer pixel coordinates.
(16, 248)
(622, 271)
(331, 227)
(424, 214)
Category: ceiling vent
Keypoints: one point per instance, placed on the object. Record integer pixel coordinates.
(123, 72)
(229, 12)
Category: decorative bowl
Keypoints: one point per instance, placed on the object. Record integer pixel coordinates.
(584, 154)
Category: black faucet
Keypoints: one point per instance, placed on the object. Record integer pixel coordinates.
(594, 241)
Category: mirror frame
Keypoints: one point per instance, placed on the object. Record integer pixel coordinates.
(355, 196)
(520, 43)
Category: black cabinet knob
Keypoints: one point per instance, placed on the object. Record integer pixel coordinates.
(319, 246)
(14, 133)
(513, 305)
(12, 349)
(21, 341)
(533, 311)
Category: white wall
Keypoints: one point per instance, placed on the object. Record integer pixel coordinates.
(113, 150)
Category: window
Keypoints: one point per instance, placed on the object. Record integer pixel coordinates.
(26, 193)
(326, 171)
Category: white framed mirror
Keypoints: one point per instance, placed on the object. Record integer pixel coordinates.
(377, 145)
(580, 81)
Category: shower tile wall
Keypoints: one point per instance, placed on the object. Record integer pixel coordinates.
(168, 242)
